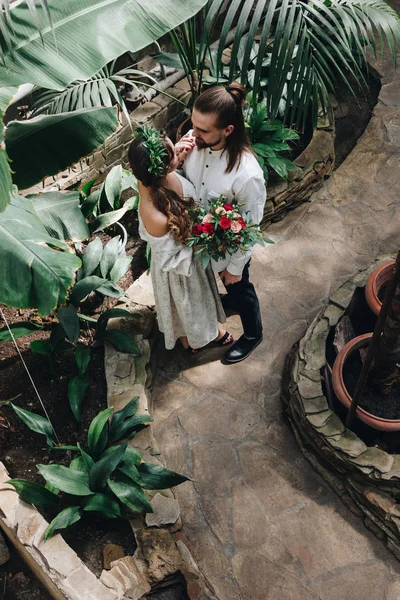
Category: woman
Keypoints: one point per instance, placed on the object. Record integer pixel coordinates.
(187, 299)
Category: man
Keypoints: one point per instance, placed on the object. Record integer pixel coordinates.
(217, 159)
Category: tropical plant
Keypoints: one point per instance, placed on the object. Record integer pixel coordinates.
(103, 477)
(269, 139)
(38, 233)
(77, 44)
(321, 43)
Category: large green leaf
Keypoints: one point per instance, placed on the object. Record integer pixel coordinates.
(82, 357)
(19, 329)
(121, 341)
(102, 469)
(65, 479)
(68, 318)
(49, 144)
(34, 493)
(87, 35)
(35, 422)
(103, 504)
(31, 273)
(84, 287)
(98, 432)
(158, 478)
(92, 256)
(129, 425)
(120, 415)
(109, 256)
(61, 215)
(109, 218)
(5, 172)
(131, 495)
(64, 519)
(77, 388)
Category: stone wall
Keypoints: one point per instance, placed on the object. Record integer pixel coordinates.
(314, 165)
(367, 479)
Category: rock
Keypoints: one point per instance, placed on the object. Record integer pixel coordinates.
(4, 552)
(126, 579)
(111, 553)
(165, 511)
(157, 555)
(376, 458)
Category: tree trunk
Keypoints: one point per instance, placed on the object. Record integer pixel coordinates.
(385, 371)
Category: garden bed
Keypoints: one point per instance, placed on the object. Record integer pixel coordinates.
(362, 465)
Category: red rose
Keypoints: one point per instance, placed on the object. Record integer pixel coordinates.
(208, 228)
(224, 223)
(228, 206)
(197, 230)
(242, 222)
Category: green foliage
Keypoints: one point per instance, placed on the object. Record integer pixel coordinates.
(102, 478)
(20, 329)
(34, 493)
(36, 270)
(72, 50)
(268, 139)
(31, 148)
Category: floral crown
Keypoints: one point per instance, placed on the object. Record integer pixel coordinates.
(152, 141)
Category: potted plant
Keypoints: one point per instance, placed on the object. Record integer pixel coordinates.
(376, 284)
(377, 388)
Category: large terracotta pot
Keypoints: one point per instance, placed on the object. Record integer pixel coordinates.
(343, 395)
(378, 278)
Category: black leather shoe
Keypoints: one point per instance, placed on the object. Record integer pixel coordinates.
(241, 349)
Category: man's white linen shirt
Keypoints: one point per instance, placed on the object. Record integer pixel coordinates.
(205, 168)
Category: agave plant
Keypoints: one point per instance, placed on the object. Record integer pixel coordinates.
(320, 42)
(103, 477)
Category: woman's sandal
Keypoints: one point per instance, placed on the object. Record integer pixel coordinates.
(225, 340)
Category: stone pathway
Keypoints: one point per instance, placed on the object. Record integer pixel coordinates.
(261, 523)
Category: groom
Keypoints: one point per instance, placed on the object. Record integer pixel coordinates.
(217, 159)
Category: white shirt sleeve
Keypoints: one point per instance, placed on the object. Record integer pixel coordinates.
(252, 196)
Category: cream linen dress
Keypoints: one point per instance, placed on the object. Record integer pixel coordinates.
(186, 295)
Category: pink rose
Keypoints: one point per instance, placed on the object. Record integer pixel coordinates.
(207, 218)
(219, 210)
(236, 226)
(236, 216)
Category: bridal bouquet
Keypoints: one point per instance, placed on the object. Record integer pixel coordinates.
(221, 230)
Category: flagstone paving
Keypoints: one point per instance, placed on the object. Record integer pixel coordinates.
(262, 524)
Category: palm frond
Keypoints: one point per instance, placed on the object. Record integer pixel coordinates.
(100, 90)
(315, 45)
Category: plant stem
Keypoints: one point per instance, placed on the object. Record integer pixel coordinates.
(375, 342)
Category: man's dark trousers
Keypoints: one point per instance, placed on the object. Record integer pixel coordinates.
(242, 298)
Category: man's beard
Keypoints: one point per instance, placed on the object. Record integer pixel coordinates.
(202, 144)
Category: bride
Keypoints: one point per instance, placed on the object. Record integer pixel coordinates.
(187, 299)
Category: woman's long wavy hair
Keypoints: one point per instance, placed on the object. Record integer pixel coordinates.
(173, 206)
(227, 103)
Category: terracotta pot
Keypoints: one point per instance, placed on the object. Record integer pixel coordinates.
(343, 395)
(375, 283)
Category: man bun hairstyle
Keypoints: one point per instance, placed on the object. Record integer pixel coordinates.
(151, 171)
(227, 103)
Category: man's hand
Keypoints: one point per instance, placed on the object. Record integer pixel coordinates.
(228, 278)
(184, 146)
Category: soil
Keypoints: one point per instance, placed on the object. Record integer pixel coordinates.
(380, 405)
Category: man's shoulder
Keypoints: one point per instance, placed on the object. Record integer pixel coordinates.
(249, 165)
